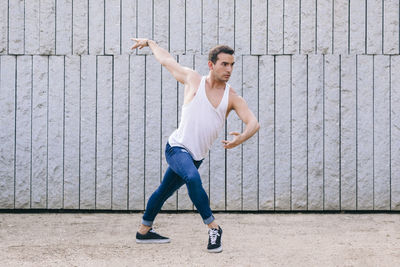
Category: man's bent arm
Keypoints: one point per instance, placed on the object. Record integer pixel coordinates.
(252, 125)
(180, 73)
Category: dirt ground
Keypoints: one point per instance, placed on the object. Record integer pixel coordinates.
(108, 239)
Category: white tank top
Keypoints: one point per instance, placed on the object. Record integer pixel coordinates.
(200, 123)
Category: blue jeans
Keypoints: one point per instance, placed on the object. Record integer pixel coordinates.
(182, 169)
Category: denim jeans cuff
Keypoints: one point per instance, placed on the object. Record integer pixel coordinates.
(147, 223)
(209, 220)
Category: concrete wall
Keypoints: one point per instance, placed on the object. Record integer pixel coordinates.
(84, 120)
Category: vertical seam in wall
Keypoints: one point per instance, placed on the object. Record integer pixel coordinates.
(366, 28)
(348, 27)
(307, 59)
(80, 129)
(169, 26)
(95, 176)
(104, 27)
(112, 129)
(24, 26)
(201, 43)
(340, 132)
(333, 27)
(185, 28)
(30, 201)
(47, 135)
(144, 132)
(283, 32)
(274, 132)
(390, 132)
(39, 27)
(373, 132)
(55, 25)
(137, 20)
(152, 19)
(356, 132)
(299, 26)
(251, 23)
(241, 146)
(226, 165)
(177, 123)
(161, 120)
(120, 26)
(63, 169)
(266, 29)
(290, 134)
(323, 132)
(316, 29)
(218, 21)
(88, 28)
(129, 129)
(15, 122)
(258, 136)
(234, 25)
(383, 26)
(8, 26)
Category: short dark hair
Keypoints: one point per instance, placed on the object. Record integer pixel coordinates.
(215, 51)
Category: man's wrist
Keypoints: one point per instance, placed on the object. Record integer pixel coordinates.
(148, 42)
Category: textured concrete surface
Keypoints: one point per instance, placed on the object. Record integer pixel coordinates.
(248, 240)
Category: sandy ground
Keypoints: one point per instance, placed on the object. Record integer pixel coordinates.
(108, 239)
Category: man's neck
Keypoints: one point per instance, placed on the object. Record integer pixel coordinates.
(214, 83)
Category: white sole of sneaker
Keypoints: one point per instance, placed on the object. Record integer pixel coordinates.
(215, 250)
(153, 241)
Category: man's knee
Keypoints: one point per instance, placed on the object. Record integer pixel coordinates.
(193, 179)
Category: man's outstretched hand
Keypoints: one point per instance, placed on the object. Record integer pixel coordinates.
(140, 43)
(234, 142)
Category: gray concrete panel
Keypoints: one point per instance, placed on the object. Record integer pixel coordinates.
(381, 133)
(88, 132)
(234, 156)
(136, 132)
(282, 133)
(112, 34)
(23, 144)
(331, 133)
(39, 132)
(120, 133)
(104, 132)
(365, 133)
(275, 26)
(348, 133)
(7, 130)
(250, 147)
(55, 137)
(72, 132)
(80, 27)
(259, 36)
(63, 23)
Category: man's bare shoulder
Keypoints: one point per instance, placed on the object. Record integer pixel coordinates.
(233, 95)
(234, 99)
(193, 79)
(193, 76)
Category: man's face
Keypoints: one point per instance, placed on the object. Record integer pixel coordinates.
(222, 69)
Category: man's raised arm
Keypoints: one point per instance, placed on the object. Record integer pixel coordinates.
(181, 74)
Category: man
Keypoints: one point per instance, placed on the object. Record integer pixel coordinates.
(207, 102)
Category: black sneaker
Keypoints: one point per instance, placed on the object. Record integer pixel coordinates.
(214, 240)
(151, 237)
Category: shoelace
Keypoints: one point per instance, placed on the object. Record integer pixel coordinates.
(213, 236)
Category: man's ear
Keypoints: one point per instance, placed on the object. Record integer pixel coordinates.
(210, 65)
